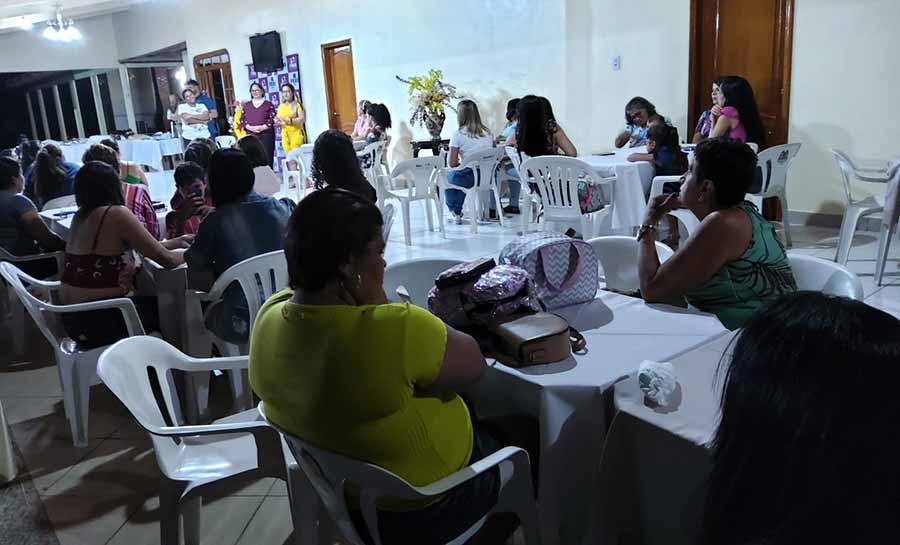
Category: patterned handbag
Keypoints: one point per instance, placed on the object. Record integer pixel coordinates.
(563, 268)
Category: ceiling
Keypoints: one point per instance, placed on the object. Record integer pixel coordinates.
(38, 11)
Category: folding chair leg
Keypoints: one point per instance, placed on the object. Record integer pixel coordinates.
(440, 216)
(407, 235)
(427, 204)
(884, 246)
(169, 509)
(848, 229)
(190, 520)
(786, 220)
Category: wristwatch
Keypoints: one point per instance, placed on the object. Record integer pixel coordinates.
(644, 229)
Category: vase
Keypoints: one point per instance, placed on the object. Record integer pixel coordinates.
(435, 124)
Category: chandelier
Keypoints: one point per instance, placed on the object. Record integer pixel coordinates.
(61, 30)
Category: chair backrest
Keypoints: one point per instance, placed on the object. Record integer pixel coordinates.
(514, 156)
(816, 274)
(848, 171)
(387, 215)
(226, 141)
(40, 311)
(297, 175)
(422, 171)
(774, 163)
(306, 157)
(754, 146)
(416, 276)
(557, 180)
(59, 202)
(161, 185)
(333, 475)
(484, 164)
(618, 257)
(375, 152)
(259, 277)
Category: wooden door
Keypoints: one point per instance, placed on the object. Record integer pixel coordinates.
(749, 38)
(340, 85)
(213, 72)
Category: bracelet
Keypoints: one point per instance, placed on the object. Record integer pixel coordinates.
(644, 229)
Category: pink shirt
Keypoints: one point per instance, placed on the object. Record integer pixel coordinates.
(738, 133)
(362, 127)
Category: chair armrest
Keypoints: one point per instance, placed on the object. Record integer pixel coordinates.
(58, 256)
(874, 179)
(517, 456)
(126, 306)
(212, 429)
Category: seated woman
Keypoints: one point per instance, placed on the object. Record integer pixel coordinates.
(199, 152)
(639, 114)
(735, 114)
(336, 165)
(472, 136)
(51, 177)
(734, 263)
(363, 122)
(130, 173)
(806, 450)
(705, 123)
(99, 260)
(267, 183)
(22, 231)
(244, 224)
(377, 381)
(137, 198)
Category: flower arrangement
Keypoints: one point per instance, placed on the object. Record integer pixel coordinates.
(429, 97)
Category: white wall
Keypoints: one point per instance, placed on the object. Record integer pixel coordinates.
(843, 94)
(31, 52)
(842, 91)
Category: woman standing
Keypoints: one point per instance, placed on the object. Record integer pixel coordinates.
(291, 117)
(194, 118)
(258, 119)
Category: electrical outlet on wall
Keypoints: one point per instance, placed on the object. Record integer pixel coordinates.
(617, 63)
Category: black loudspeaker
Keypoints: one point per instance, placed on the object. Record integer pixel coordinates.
(266, 52)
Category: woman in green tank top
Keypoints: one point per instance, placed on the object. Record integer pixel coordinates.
(734, 263)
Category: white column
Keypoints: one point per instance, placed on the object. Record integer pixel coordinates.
(76, 105)
(43, 111)
(34, 133)
(126, 95)
(59, 113)
(98, 104)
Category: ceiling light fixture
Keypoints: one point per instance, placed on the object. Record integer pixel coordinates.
(61, 30)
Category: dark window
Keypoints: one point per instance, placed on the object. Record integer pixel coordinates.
(107, 104)
(68, 108)
(88, 109)
(50, 110)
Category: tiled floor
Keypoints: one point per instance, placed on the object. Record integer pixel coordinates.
(106, 492)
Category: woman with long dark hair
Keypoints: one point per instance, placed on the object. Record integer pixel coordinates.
(737, 115)
(51, 177)
(537, 132)
(379, 121)
(335, 165)
(258, 119)
(806, 448)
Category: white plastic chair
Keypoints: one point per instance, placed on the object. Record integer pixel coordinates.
(411, 280)
(816, 274)
(387, 216)
(192, 459)
(332, 475)
(259, 278)
(375, 151)
(161, 185)
(298, 176)
(774, 163)
(618, 257)
(9, 303)
(484, 167)
(423, 188)
(557, 181)
(226, 141)
(77, 368)
(686, 218)
(529, 202)
(856, 208)
(306, 157)
(59, 202)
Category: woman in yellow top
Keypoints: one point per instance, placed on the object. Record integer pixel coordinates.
(340, 367)
(236, 123)
(291, 117)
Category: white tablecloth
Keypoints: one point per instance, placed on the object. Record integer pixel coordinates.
(161, 185)
(60, 219)
(633, 182)
(571, 398)
(147, 152)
